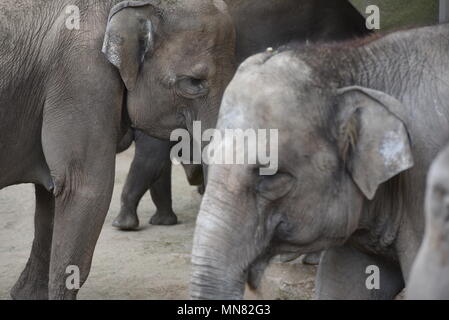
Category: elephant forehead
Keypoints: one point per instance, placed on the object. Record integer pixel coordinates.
(249, 105)
(287, 64)
(278, 64)
(262, 97)
(196, 15)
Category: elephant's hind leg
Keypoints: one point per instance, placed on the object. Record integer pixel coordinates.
(162, 198)
(138, 181)
(33, 282)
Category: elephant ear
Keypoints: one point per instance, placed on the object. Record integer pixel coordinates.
(129, 37)
(373, 141)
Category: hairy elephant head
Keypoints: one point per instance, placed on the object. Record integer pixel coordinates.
(429, 278)
(335, 148)
(175, 59)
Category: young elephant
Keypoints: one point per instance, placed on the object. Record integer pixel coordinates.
(259, 24)
(430, 273)
(62, 106)
(359, 124)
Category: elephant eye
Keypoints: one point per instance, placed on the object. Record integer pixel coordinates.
(191, 88)
(274, 187)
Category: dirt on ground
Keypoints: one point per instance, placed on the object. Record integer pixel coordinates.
(152, 263)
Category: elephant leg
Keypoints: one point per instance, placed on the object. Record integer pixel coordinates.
(83, 192)
(136, 185)
(80, 151)
(33, 282)
(149, 165)
(162, 198)
(79, 216)
(347, 274)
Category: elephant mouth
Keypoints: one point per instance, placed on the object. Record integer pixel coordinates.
(289, 257)
(257, 269)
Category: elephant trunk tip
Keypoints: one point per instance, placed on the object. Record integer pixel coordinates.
(209, 286)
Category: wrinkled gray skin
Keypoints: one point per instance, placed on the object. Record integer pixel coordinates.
(259, 24)
(359, 124)
(63, 105)
(429, 278)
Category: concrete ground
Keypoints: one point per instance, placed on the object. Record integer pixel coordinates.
(152, 263)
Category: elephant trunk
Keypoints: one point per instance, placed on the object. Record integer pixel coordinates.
(428, 279)
(221, 250)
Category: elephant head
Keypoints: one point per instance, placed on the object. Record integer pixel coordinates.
(429, 278)
(175, 59)
(336, 147)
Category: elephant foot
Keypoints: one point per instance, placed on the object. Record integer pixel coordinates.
(164, 219)
(28, 289)
(126, 221)
(312, 259)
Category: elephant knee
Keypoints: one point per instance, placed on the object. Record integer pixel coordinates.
(78, 180)
(67, 180)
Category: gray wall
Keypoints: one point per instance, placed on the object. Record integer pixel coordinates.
(444, 11)
(402, 13)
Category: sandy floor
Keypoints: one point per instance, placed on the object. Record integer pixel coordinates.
(152, 263)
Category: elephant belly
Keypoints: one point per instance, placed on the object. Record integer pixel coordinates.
(21, 155)
(23, 163)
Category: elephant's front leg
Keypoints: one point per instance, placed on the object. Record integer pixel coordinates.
(79, 142)
(348, 274)
(33, 282)
(150, 170)
(83, 191)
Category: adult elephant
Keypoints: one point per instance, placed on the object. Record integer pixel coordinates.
(259, 24)
(266, 23)
(358, 126)
(63, 106)
(430, 274)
